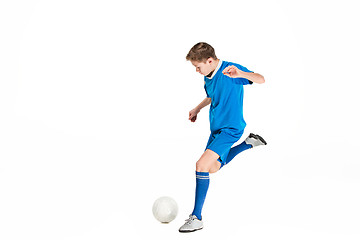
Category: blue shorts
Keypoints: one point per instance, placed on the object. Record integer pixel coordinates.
(221, 142)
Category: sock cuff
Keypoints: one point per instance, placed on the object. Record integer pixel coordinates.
(202, 175)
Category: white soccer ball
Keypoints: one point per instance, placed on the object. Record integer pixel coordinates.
(165, 209)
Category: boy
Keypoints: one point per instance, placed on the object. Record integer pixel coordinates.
(224, 90)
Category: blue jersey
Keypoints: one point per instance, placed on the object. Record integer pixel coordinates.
(226, 109)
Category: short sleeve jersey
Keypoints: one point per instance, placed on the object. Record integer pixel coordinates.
(226, 109)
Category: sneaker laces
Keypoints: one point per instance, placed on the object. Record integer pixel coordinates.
(190, 219)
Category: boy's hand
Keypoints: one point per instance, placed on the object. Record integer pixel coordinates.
(193, 115)
(232, 71)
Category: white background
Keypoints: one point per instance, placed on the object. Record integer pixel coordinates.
(94, 102)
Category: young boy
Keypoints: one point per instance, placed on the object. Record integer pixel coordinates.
(224, 90)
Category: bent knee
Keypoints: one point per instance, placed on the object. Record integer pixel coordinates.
(202, 166)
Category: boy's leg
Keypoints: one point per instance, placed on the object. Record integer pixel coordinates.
(208, 161)
(253, 140)
(234, 151)
(206, 164)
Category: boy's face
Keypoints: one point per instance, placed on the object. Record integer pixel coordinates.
(204, 68)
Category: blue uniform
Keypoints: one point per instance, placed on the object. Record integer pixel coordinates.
(226, 110)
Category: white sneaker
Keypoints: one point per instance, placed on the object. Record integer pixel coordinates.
(255, 140)
(191, 225)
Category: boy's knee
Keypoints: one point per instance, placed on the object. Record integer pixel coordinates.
(201, 166)
(206, 161)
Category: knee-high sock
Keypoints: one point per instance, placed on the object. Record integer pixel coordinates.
(236, 150)
(202, 185)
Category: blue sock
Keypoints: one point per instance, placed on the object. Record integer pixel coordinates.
(202, 185)
(235, 151)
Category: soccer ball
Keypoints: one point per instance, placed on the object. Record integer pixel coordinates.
(165, 209)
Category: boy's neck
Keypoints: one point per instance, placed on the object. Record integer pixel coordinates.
(215, 64)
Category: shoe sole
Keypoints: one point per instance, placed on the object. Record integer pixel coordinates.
(189, 231)
(258, 137)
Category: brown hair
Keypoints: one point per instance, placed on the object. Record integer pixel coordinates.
(201, 52)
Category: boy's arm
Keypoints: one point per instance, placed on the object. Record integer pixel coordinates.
(234, 72)
(204, 103)
(193, 113)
